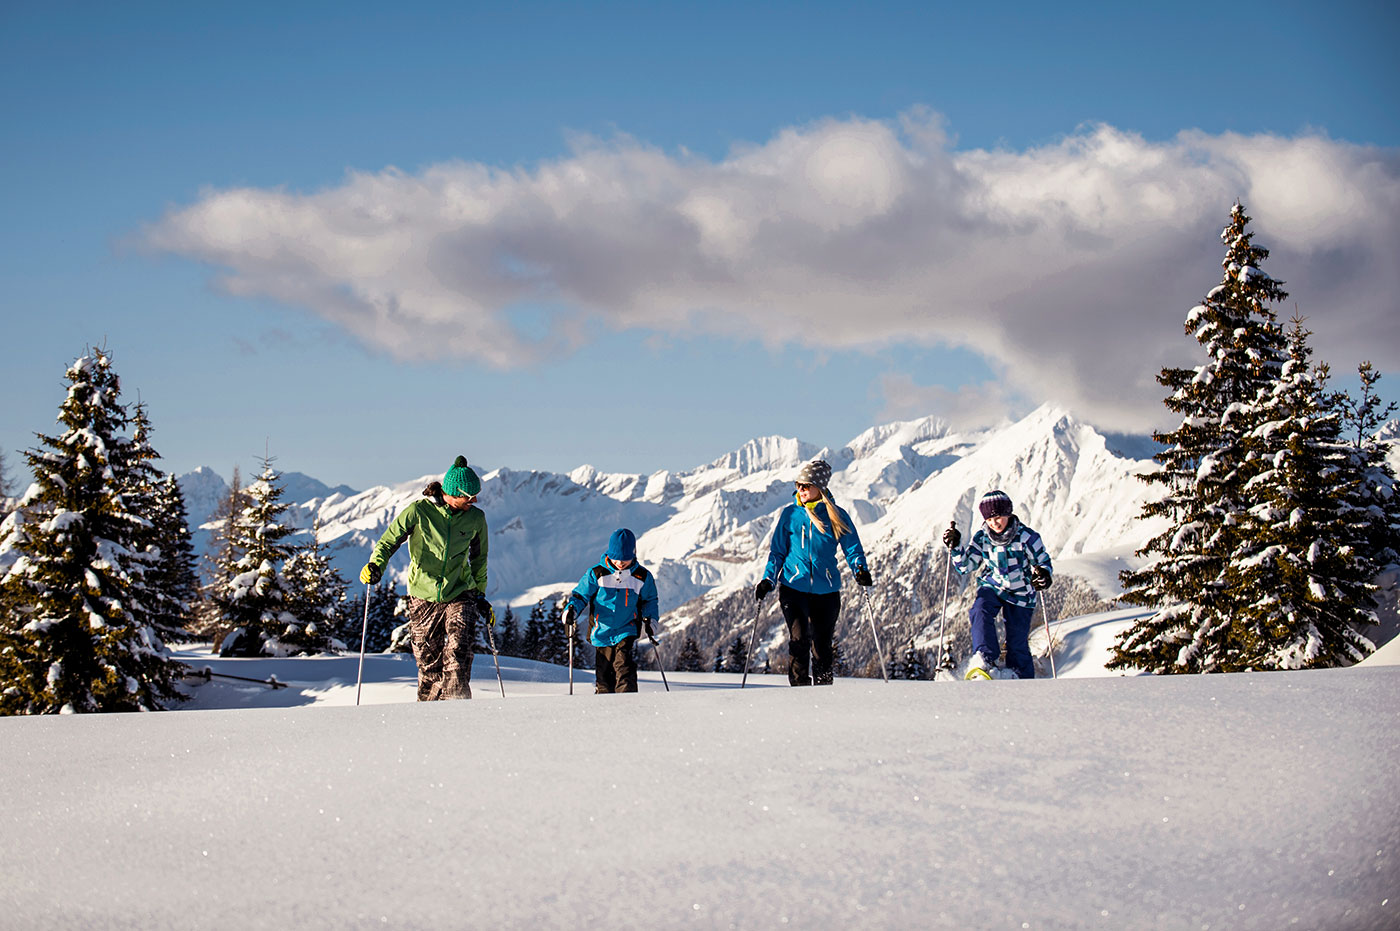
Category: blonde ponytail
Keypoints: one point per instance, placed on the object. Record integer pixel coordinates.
(840, 526)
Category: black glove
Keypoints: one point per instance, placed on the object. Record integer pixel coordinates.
(952, 536)
(484, 610)
(1040, 578)
(863, 577)
(646, 625)
(570, 614)
(764, 587)
(371, 574)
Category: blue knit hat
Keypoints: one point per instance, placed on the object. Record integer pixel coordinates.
(460, 480)
(995, 504)
(622, 545)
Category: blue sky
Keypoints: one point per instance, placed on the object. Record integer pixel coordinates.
(879, 192)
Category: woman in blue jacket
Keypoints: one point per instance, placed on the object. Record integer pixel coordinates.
(802, 558)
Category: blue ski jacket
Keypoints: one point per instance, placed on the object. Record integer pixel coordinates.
(803, 558)
(616, 601)
(1006, 567)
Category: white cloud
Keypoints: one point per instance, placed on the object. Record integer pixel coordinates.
(1069, 266)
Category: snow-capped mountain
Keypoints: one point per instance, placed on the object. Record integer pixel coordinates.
(704, 531)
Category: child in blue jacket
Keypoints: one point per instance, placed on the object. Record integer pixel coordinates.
(1015, 567)
(802, 557)
(620, 598)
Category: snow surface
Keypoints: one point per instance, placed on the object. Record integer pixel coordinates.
(1230, 801)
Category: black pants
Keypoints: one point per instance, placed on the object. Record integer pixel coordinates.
(811, 622)
(617, 668)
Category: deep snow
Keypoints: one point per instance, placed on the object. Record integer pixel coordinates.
(1245, 801)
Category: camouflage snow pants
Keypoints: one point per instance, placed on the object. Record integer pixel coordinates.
(444, 639)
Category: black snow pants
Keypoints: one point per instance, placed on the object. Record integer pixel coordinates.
(617, 668)
(811, 623)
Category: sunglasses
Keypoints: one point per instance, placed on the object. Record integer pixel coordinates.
(805, 485)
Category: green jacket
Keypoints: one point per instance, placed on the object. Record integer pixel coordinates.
(447, 549)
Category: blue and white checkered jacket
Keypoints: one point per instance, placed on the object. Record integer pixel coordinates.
(1006, 568)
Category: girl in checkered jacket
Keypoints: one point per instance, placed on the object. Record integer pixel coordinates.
(1014, 568)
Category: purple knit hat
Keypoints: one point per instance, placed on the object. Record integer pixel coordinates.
(994, 504)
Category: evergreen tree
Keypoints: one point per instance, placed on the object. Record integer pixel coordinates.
(74, 631)
(1205, 468)
(1309, 585)
(163, 537)
(912, 665)
(737, 657)
(838, 662)
(316, 597)
(1374, 504)
(718, 665)
(690, 658)
(383, 620)
(508, 637)
(554, 646)
(175, 575)
(532, 644)
(7, 487)
(896, 666)
(221, 566)
(256, 602)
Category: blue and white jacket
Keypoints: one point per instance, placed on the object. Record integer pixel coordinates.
(616, 601)
(1006, 567)
(803, 558)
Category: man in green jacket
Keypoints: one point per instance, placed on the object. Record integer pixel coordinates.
(447, 545)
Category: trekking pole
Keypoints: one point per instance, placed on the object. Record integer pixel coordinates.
(495, 658)
(947, 577)
(569, 630)
(752, 638)
(1049, 643)
(364, 632)
(660, 666)
(880, 650)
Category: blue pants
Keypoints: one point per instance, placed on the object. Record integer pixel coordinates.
(1018, 631)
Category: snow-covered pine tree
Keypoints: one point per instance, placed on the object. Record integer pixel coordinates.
(912, 665)
(256, 601)
(162, 537)
(317, 598)
(1205, 467)
(718, 664)
(175, 576)
(737, 657)
(1309, 585)
(1375, 504)
(690, 658)
(73, 635)
(221, 563)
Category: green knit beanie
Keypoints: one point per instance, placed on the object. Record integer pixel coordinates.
(460, 480)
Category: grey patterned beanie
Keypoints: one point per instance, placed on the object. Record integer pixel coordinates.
(817, 472)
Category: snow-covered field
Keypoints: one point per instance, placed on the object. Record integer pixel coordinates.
(1247, 801)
